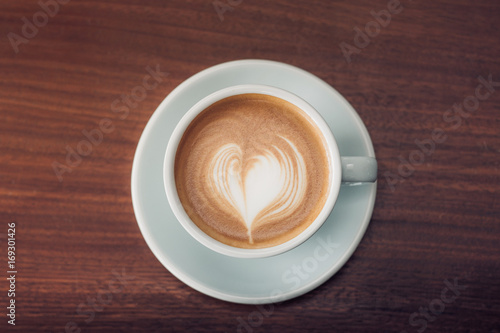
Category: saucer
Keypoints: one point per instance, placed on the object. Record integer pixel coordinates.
(262, 280)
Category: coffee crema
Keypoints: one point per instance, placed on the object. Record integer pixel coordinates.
(252, 171)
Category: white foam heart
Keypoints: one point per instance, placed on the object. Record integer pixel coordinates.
(273, 185)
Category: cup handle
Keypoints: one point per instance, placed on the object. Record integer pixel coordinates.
(356, 169)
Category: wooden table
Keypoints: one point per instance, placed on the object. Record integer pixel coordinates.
(417, 73)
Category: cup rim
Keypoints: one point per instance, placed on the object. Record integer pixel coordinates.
(335, 175)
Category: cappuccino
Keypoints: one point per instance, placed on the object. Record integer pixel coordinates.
(252, 171)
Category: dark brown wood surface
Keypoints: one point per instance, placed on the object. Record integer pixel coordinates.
(437, 212)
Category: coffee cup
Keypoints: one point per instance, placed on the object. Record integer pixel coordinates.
(252, 171)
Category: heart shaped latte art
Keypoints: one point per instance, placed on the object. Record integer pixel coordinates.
(261, 188)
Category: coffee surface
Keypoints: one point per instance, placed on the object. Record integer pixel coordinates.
(252, 171)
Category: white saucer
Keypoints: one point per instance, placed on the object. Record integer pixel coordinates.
(251, 281)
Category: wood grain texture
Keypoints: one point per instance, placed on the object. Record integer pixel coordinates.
(438, 222)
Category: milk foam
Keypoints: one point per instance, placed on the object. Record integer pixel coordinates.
(273, 184)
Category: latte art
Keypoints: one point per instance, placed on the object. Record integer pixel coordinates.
(252, 171)
(266, 188)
